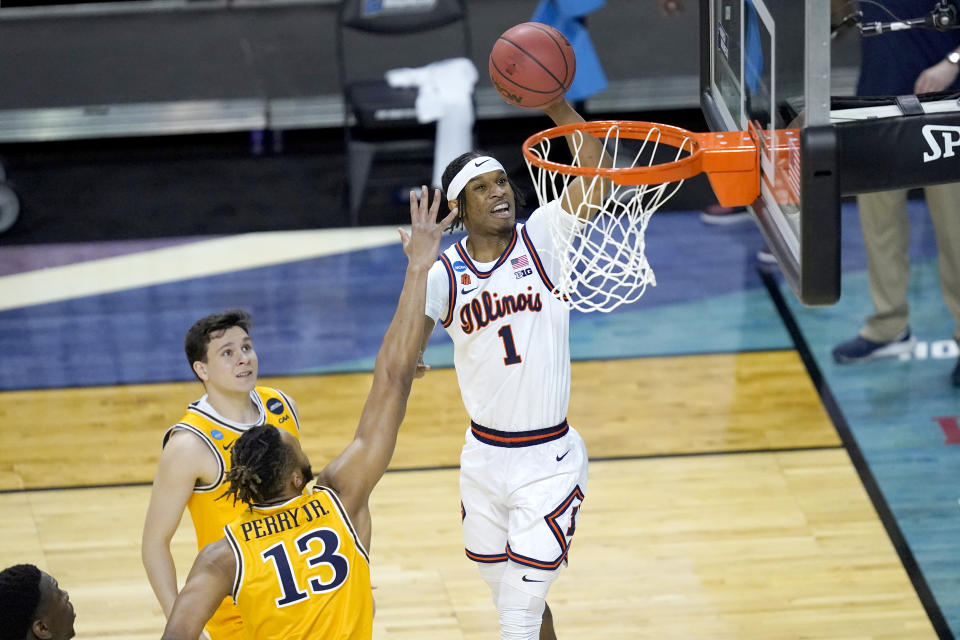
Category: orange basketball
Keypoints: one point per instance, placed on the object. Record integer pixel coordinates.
(532, 64)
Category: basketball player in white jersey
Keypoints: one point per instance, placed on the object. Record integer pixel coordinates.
(523, 469)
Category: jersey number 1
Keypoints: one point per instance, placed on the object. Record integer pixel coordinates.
(506, 334)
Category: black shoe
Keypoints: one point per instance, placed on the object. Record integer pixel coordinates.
(955, 376)
(860, 349)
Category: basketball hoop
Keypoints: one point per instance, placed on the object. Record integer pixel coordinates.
(602, 254)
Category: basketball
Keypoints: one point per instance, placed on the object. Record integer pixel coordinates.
(532, 64)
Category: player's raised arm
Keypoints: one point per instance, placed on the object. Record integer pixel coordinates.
(354, 472)
(591, 153)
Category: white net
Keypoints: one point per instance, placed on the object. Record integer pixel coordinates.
(602, 244)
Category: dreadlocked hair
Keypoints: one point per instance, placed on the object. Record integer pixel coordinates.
(259, 462)
(19, 599)
(451, 172)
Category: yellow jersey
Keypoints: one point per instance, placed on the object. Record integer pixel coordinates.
(302, 571)
(210, 515)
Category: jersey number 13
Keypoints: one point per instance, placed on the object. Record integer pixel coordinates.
(284, 562)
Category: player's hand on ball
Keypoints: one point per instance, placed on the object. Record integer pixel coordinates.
(531, 64)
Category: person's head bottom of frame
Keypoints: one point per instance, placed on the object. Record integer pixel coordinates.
(32, 605)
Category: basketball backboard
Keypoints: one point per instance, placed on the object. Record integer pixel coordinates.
(765, 68)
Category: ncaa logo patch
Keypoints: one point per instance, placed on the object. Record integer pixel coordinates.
(459, 266)
(274, 406)
(217, 435)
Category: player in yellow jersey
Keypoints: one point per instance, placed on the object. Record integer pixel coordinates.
(296, 562)
(195, 458)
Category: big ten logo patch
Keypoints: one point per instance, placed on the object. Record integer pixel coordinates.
(523, 273)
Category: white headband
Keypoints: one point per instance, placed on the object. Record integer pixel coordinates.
(483, 164)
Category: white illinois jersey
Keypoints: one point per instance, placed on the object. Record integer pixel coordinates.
(510, 333)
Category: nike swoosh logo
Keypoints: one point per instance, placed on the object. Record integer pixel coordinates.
(526, 579)
(477, 164)
(226, 447)
(559, 458)
(465, 291)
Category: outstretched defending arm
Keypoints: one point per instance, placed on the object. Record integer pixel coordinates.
(355, 472)
(591, 154)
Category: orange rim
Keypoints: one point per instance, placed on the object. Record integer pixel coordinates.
(730, 159)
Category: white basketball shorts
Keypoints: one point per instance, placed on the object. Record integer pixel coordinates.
(521, 493)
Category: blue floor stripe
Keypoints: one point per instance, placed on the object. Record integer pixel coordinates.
(330, 313)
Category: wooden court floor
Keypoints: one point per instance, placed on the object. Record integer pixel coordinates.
(721, 504)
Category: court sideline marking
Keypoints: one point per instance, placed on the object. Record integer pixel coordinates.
(870, 484)
(451, 467)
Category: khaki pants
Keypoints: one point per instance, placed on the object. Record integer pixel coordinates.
(886, 233)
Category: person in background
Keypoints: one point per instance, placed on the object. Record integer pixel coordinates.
(914, 61)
